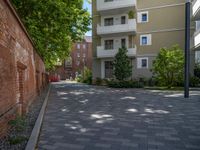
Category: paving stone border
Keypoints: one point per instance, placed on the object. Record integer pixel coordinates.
(32, 142)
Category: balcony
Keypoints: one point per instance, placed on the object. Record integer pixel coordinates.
(130, 27)
(197, 39)
(102, 53)
(196, 9)
(112, 6)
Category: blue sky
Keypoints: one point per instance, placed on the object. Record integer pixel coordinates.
(88, 6)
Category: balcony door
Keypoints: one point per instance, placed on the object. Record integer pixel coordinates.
(123, 19)
(108, 69)
(123, 43)
(109, 44)
(108, 22)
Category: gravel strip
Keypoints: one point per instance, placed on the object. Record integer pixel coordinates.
(30, 120)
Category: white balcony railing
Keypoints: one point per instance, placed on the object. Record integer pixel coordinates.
(115, 4)
(102, 53)
(120, 28)
(196, 8)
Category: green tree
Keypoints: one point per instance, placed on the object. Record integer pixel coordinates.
(168, 66)
(122, 65)
(54, 25)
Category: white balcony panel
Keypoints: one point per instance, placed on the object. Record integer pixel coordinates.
(106, 7)
(197, 39)
(196, 9)
(102, 53)
(130, 27)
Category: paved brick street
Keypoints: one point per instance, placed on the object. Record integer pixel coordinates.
(81, 117)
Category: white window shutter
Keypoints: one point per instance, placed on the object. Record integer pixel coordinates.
(149, 39)
(139, 63)
(139, 17)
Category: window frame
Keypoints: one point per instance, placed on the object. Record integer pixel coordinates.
(149, 39)
(78, 46)
(140, 17)
(109, 47)
(139, 63)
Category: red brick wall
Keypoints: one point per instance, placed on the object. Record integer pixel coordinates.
(70, 71)
(19, 63)
(87, 59)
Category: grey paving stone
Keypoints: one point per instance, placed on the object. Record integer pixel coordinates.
(69, 146)
(81, 117)
(102, 145)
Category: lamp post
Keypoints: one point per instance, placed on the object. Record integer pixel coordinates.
(187, 48)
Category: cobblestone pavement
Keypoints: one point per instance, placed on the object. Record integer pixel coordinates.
(81, 117)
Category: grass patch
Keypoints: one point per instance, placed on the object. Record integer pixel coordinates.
(17, 140)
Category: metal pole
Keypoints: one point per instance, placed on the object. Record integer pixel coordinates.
(187, 48)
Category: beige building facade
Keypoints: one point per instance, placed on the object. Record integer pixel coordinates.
(142, 26)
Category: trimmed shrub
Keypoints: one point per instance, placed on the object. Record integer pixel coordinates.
(125, 84)
(168, 66)
(98, 81)
(197, 70)
(85, 77)
(194, 81)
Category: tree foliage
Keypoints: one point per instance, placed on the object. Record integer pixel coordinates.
(122, 65)
(168, 66)
(54, 25)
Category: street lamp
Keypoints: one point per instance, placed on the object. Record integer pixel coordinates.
(187, 48)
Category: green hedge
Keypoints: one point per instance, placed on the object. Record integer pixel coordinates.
(125, 84)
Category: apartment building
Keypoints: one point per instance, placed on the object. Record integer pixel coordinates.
(196, 36)
(142, 26)
(80, 57)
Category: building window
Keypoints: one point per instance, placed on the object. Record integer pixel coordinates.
(78, 46)
(68, 62)
(145, 39)
(142, 63)
(108, 44)
(143, 17)
(197, 56)
(123, 43)
(77, 62)
(78, 54)
(108, 22)
(108, 0)
(84, 55)
(84, 46)
(123, 20)
(108, 69)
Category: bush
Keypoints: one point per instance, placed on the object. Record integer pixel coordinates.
(152, 82)
(168, 66)
(18, 123)
(194, 81)
(131, 14)
(197, 70)
(98, 81)
(85, 77)
(79, 78)
(125, 84)
(122, 65)
(17, 140)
